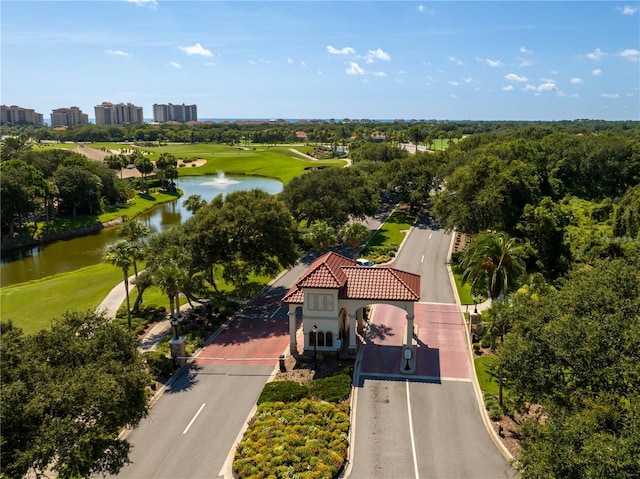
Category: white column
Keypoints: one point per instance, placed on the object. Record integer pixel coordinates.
(352, 330)
(293, 346)
(409, 338)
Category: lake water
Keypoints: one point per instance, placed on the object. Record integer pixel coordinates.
(68, 255)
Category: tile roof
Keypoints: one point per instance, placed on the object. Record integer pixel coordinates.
(335, 271)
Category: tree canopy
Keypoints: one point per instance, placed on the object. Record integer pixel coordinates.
(66, 394)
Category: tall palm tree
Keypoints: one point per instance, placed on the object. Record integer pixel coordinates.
(494, 258)
(119, 255)
(354, 234)
(134, 232)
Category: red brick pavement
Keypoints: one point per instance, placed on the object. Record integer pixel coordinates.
(248, 341)
(441, 351)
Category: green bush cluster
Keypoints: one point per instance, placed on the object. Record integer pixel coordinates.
(493, 408)
(333, 389)
(159, 364)
(382, 253)
(307, 439)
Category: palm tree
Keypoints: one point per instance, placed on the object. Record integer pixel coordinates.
(495, 258)
(119, 255)
(134, 231)
(353, 234)
(321, 236)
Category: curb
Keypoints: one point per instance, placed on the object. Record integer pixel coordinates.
(474, 377)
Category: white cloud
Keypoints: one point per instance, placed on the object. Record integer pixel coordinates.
(144, 3)
(379, 54)
(610, 95)
(289, 60)
(548, 86)
(627, 10)
(454, 83)
(354, 69)
(576, 80)
(196, 49)
(524, 50)
(343, 51)
(596, 55)
(210, 64)
(514, 77)
(597, 72)
(455, 97)
(493, 63)
(467, 80)
(630, 54)
(456, 61)
(525, 62)
(369, 60)
(529, 87)
(379, 74)
(421, 8)
(175, 64)
(507, 88)
(303, 63)
(118, 53)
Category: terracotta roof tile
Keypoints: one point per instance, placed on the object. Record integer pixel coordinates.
(356, 282)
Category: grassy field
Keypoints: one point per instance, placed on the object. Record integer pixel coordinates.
(393, 230)
(33, 304)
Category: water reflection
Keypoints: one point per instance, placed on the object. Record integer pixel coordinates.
(72, 254)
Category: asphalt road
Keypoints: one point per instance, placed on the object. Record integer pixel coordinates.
(427, 424)
(191, 430)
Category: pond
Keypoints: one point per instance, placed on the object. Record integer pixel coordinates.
(68, 255)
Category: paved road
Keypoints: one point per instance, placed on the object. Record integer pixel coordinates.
(427, 424)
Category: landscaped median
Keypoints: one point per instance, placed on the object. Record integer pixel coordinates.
(299, 430)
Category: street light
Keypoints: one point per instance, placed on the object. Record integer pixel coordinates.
(174, 324)
(314, 330)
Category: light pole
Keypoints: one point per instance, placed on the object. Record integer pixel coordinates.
(174, 324)
(314, 330)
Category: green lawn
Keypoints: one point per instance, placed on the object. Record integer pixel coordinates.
(33, 304)
(393, 230)
(485, 380)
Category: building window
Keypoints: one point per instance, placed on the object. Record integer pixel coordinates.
(324, 339)
(328, 339)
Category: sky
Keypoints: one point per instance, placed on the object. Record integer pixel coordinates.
(314, 59)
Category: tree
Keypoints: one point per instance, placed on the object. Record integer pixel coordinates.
(576, 353)
(119, 255)
(493, 258)
(331, 195)
(321, 236)
(626, 215)
(78, 188)
(166, 161)
(116, 163)
(194, 203)
(66, 395)
(144, 166)
(14, 146)
(251, 227)
(23, 189)
(134, 232)
(354, 234)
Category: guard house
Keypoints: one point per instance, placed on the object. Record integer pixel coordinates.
(332, 296)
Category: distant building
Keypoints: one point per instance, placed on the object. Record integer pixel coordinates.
(170, 112)
(118, 114)
(68, 117)
(16, 115)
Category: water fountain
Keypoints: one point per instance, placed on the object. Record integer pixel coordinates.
(220, 181)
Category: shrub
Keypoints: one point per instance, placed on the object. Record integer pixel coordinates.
(333, 389)
(159, 364)
(493, 408)
(284, 391)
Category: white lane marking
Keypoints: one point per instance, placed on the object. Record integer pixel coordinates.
(422, 259)
(413, 440)
(194, 418)
(430, 235)
(276, 312)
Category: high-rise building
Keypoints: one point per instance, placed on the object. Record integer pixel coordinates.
(17, 115)
(171, 112)
(118, 114)
(68, 117)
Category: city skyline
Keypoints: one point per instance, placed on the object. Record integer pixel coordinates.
(474, 60)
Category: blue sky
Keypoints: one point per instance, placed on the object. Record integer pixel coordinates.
(478, 60)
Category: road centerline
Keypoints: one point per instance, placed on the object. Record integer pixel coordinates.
(194, 418)
(413, 440)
